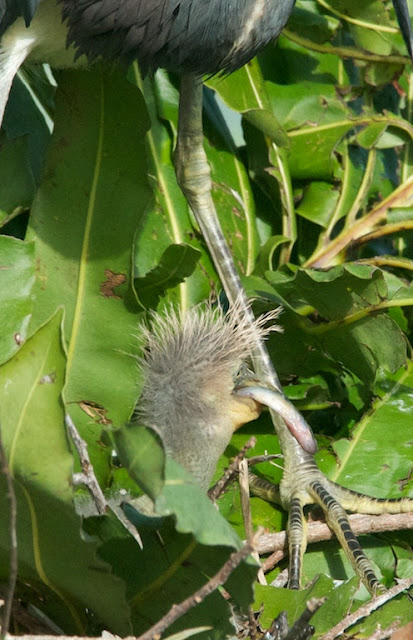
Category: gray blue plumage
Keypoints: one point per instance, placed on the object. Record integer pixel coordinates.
(196, 36)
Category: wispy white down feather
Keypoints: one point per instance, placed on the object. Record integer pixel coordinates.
(189, 367)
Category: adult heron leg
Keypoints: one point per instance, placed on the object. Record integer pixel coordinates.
(305, 484)
(302, 483)
(194, 177)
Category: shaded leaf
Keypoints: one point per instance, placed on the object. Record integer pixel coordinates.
(62, 570)
(177, 263)
(84, 218)
(16, 300)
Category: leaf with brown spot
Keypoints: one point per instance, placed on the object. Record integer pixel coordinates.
(113, 280)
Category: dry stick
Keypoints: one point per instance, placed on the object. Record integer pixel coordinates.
(269, 563)
(385, 634)
(318, 531)
(301, 629)
(404, 633)
(264, 458)
(231, 472)
(252, 624)
(246, 512)
(366, 609)
(13, 562)
(178, 610)
(88, 478)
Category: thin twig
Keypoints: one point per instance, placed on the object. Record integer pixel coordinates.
(252, 624)
(404, 633)
(301, 629)
(178, 610)
(385, 634)
(246, 512)
(264, 458)
(367, 609)
(275, 558)
(232, 471)
(13, 561)
(88, 478)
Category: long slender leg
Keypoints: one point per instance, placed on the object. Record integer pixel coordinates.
(297, 541)
(333, 499)
(194, 177)
(338, 522)
(302, 482)
(193, 174)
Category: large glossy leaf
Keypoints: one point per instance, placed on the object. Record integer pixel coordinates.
(344, 324)
(176, 263)
(199, 535)
(16, 301)
(16, 178)
(56, 565)
(84, 218)
(378, 457)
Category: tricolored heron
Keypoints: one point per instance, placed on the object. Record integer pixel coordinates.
(193, 37)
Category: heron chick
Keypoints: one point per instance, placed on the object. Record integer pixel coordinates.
(192, 367)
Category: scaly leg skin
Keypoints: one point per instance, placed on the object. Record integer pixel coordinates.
(302, 482)
(193, 174)
(309, 486)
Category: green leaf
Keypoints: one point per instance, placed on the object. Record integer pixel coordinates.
(15, 176)
(177, 263)
(84, 219)
(174, 489)
(342, 326)
(16, 300)
(59, 569)
(378, 458)
(244, 91)
(142, 455)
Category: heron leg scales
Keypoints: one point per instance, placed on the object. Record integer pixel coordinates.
(338, 521)
(302, 482)
(297, 541)
(194, 178)
(334, 500)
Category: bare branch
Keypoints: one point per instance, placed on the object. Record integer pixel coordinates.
(232, 471)
(367, 609)
(246, 512)
(385, 634)
(88, 478)
(178, 610)
(318, 531)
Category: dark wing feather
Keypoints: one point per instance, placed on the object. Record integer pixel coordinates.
(195, 36)
(10, 10)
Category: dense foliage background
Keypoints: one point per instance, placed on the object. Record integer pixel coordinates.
(311, 152)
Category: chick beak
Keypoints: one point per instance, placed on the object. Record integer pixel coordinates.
(244, 408)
